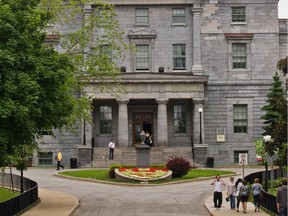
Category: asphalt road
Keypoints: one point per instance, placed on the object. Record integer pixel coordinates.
(116, 200)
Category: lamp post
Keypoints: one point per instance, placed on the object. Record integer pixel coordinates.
(84, 129)
(267, 140)
(200, 110)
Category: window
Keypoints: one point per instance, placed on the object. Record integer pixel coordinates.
(236, 156)
(178, 15)
(106, 52)
(180, 119)
(239, 56)
(142, 57)
(238, 14)
(179, 57)
(240, 118)
(142, 16)
(45, 158)
(105, 119)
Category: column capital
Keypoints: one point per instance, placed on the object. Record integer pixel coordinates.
(122, 101)
(162, 101)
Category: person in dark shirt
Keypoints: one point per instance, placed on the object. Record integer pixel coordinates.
(281, 198)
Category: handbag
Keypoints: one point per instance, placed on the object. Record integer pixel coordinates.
(227, 199)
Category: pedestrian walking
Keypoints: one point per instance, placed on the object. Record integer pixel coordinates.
(59, 160)
(238, 185)
(281, 198)
(256, 189)
(231, 192)
(111, 147)
(217, 196)
(244, 195)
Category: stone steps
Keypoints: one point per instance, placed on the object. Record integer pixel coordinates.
(127, 155)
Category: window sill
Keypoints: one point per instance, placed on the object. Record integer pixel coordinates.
(179, 134)
(141, 25)
(238, 23)
(179, 70)
(241, 71)
(178, 24)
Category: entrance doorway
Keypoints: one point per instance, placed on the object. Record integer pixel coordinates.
(141, 122)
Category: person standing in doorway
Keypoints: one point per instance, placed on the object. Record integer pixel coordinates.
(59, 159)
(256, 188)
(217, 196)
(111, 147)
(281, 198)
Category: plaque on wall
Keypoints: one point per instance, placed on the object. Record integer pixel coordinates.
(220, 137)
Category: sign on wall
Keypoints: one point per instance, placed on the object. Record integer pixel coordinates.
(220, 136)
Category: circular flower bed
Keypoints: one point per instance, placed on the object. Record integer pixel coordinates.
(142, 174)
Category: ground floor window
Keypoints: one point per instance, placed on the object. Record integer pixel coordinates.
(45, 158)
(105, 119)
(236, 156)
(180, 118)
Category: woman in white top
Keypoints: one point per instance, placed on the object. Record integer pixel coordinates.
(238, 185)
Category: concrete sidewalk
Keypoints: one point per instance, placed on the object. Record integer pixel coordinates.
(53, 203)
(226, 211)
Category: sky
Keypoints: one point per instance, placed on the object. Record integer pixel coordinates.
(283, 9)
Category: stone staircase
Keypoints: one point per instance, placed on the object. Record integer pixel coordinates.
(127, 155)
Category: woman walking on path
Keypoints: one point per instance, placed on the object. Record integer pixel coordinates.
(238, 185)
(256, 188)
(244, 195)
(231, 192)
(217, 196)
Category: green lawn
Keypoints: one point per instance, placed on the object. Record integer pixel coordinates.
(6, 194)
(104, 176)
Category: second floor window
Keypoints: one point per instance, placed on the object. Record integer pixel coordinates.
(142, 57)
(106, 52)
(239, 56)
(105, 119)
(238, 14)
(180, 117)
(178, 15)
(142, 16)
(179, 57)
(240, 118)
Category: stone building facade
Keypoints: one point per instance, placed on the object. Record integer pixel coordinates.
(213, 56)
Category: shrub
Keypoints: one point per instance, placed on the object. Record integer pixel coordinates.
(178, 165)
(112, 173)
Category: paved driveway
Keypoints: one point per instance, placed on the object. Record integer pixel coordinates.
(111, 200)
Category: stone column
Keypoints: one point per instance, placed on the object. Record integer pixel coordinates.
(197, 67)
(123, 123)
(196, 122)
(162, 129)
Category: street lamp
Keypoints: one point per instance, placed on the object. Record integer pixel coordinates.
(84, 129)
(200, 110)
(267, 140)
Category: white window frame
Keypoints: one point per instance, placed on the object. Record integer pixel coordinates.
(179, 56)
(138, 57)
(176, 14)
(137, 15)
(234, 21)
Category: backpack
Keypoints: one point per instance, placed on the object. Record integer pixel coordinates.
(244, 191)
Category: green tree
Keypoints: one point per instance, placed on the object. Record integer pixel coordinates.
(39, 86)
(282, 65)
(275, 118)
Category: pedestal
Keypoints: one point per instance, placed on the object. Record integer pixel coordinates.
(200, 154)
(142, 155)
(84, 155)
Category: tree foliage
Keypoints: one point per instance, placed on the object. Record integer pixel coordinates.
(275, 118)
(39, 82)
(282, 65)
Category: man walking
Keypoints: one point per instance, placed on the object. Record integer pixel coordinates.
(217, 196)
(281, 198)
(59, 159)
